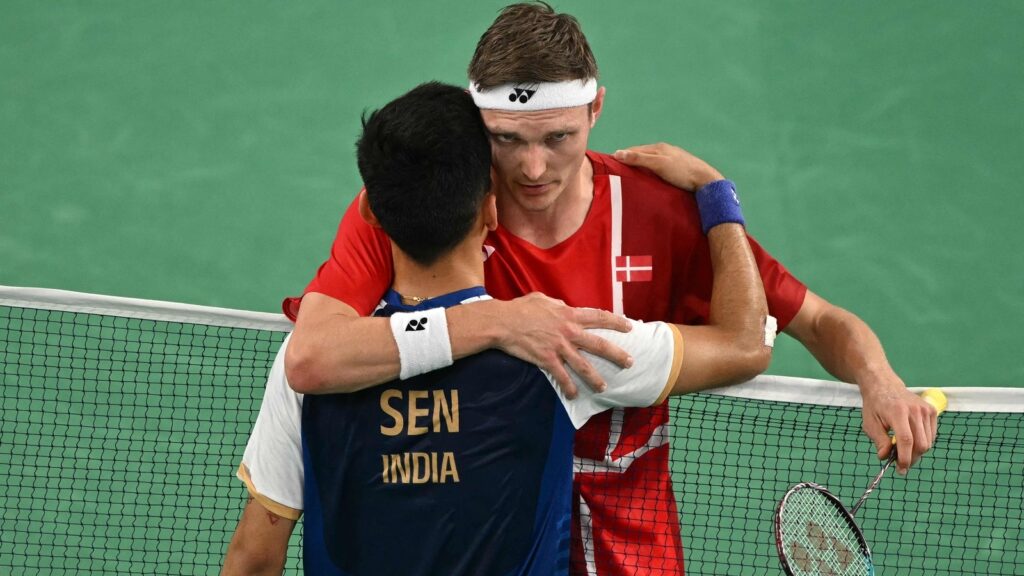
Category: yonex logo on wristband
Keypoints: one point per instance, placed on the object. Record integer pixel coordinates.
(420, 349)
(522, 95)
(416, 325)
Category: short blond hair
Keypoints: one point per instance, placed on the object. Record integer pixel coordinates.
(530, 42)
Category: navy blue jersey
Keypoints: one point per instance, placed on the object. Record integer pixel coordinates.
(464, 470)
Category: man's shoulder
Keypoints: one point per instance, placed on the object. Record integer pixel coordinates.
(632, 177)
(645, 197)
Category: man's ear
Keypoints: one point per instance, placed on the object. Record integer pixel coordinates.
(365, 211)
(596, 106)
(490, 209)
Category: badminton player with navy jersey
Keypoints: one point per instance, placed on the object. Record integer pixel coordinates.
(462, 466)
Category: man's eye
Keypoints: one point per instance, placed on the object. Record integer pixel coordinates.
(558, 137)
(504, 138)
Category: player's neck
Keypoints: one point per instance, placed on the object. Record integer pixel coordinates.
(461, 268)
(552, 224)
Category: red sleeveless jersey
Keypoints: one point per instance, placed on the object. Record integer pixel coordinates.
(640, 252)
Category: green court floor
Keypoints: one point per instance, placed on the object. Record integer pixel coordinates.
(202, 152)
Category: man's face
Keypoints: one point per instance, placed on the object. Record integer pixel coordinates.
(537, 155)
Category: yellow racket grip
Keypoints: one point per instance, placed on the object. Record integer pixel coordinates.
(936, 398)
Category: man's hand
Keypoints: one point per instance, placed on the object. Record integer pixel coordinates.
(672, 164)
(546, 332)
(913, 421)
(845, 346)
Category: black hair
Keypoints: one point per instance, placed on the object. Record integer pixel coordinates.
(425, 160)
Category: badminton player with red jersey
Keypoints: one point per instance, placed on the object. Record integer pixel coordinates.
(594, 231)
(639, 243)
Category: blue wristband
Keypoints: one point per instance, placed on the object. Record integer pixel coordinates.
(718, 204)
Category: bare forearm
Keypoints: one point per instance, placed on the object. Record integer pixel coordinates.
(260, 543)
(848, 349)
(731, 347)
(340, 354)
(738, 303)
(242, 562)
(334, 350)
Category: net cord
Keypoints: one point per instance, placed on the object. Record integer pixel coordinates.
(764, 387)
(161, 311)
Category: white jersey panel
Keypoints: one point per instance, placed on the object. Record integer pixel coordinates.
(653, 346)
(273, 455)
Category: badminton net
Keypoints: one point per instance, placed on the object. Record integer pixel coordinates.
(124, 421)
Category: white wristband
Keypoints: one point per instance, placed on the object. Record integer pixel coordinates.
(423, 343)
(771, 328)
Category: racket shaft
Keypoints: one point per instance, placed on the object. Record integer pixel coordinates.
(874, 483)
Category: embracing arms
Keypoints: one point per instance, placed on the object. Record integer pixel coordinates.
(333, 349)
(732, 346)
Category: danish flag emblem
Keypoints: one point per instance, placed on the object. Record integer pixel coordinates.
(634, 268)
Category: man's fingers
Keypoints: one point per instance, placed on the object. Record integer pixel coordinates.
(884, 444)
(594, 318)
(598, 346)
(880, 436)
(636, 157)
(920, 422)
(594, 344)
(933, 426)
(922, 441)
(561, 376)
(578, 364)
(905, 445)
(658, 148)
(924, 431)
(913, 422)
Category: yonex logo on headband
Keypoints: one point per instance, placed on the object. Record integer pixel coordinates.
(522, 95)
(528, 97)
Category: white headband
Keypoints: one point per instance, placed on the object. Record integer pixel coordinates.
(531, 96)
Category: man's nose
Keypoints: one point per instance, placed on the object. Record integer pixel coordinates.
(533, 163)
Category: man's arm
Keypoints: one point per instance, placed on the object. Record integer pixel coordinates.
(260, 543)
(731, 348)
(333, 349)
(847, 348)
(673, 359)
(842, 343)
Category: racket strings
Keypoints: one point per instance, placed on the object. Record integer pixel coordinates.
(818, 539)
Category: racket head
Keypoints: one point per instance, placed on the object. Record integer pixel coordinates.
(815, 535)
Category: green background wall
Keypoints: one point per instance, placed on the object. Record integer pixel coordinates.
(202, 151)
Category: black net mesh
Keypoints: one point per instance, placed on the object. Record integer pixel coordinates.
(959, 511)
(120, 438)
